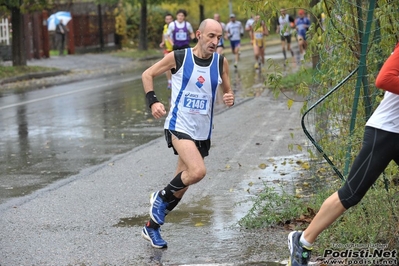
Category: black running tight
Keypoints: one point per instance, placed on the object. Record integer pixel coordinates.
(378, 150)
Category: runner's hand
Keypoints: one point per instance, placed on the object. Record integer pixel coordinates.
(228, 99)
(158, 110)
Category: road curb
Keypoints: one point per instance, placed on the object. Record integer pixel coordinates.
(38, 75)
(49, 74)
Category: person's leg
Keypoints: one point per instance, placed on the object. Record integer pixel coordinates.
(283, 47)
(300, 44)
(192, 160)
(62, 44)
(191, 168)
(330, 210)
(237, 51)
(288, 40)
(262, 52)
(58, 42)
(377, 151)
(181, 167)
(256, 54)
(233, 51)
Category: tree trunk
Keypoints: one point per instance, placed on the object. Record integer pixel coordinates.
(143, 44)
(100, 27)
(18, 37)
(315, 53)
(201, 12)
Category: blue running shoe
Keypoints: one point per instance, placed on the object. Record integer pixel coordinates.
(154, 236)
(299, 254)
(158, 208)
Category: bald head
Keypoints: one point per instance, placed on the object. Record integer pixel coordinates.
(209, 24)
(208, 34)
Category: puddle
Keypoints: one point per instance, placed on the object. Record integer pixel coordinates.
(211, 223)
(197, 214)
(286, 172)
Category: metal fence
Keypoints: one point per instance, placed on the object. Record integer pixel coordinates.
(4, 32)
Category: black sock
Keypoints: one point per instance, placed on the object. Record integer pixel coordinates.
(172, 204)
(152, 224)
(175, 185)
(285, 54)
(292, 53)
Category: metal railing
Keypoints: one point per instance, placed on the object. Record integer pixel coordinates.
(4, 31)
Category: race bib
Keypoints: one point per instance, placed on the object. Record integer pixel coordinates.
(181, 35)
(196, 103)
(258, 35)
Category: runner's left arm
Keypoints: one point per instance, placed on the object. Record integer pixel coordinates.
(190, 29)
(228, 95)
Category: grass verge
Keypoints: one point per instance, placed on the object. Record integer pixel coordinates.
(11, 71)
(14, 71)
(136, 53)
(373, 221)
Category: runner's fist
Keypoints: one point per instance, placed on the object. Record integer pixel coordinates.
(228, 99)
(158, 110)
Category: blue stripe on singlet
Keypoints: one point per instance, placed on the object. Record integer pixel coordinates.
(188, 67)
(214, 72)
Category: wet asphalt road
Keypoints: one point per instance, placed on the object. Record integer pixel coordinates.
(93, 214)
(49, 134)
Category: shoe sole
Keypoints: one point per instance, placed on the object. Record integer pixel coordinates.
(152, 199)
(146, 237)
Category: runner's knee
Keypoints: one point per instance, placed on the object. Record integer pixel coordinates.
(197, 174)
(348, 197)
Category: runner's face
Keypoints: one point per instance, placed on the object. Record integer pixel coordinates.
(282, 12)
(209, 39)
(168, 19)
(180, 17)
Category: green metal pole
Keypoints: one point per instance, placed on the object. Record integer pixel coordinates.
(361, 72)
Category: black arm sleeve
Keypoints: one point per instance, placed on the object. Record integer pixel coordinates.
(179, 58)
(221, 60)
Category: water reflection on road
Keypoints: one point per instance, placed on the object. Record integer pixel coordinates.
(50, 134)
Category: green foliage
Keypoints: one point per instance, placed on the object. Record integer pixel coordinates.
(24, 5)
(14, 71)
(138, 54)
(272, 207)
(210, 8)
(337, 41)
(374, 220)
(155, 23)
